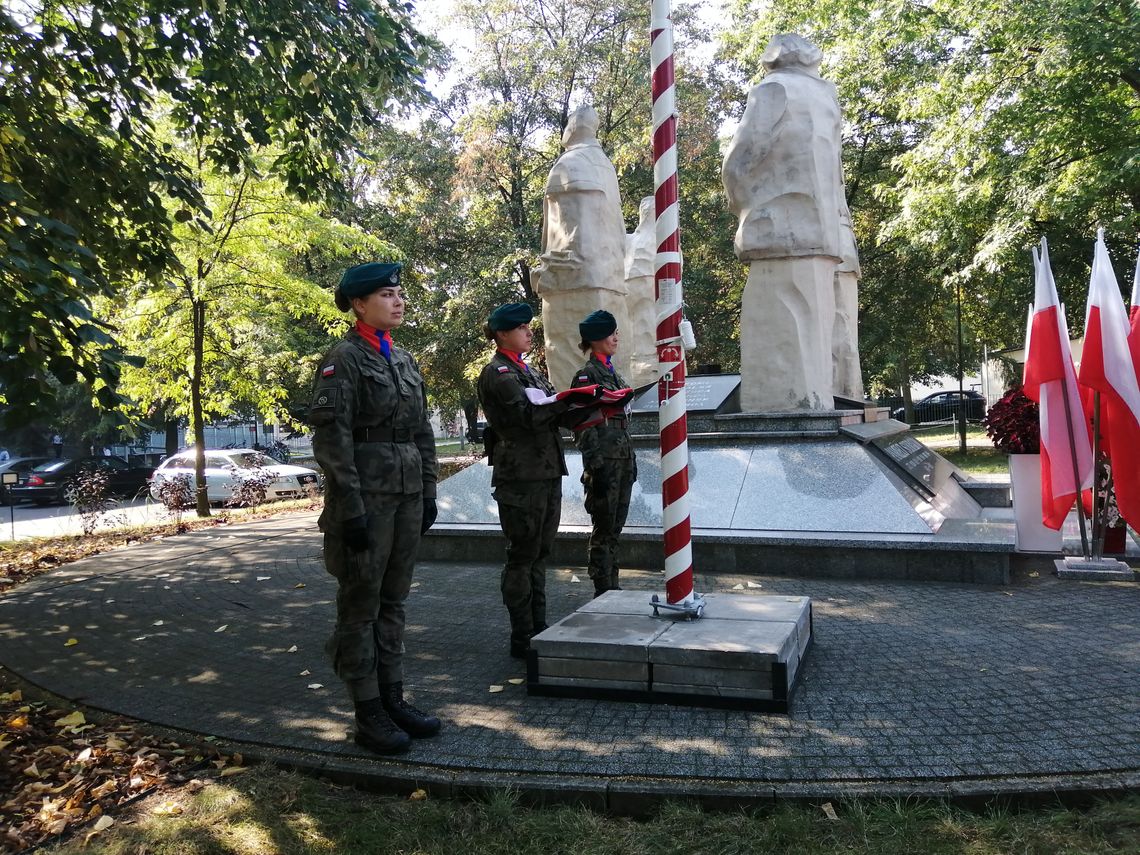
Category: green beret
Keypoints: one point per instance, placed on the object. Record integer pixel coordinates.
(363, 279)
(597, 325)
(509, 316)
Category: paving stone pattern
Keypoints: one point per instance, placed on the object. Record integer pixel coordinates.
(905, 681)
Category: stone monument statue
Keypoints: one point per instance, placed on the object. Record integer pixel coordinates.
(639, 340)
(848, 373)
(783, 180)
(582, 265)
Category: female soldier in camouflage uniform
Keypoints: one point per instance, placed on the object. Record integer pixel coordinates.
(609, 466)
(373, 441)
(528, 465)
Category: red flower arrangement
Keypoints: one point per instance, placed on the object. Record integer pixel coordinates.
(1012, 423)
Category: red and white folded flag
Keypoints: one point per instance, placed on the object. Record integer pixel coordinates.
(607, 404)
(1107, 367)
(1051, 381)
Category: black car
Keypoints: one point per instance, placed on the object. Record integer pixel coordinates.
(54, 481)
(21, 466)
(944, 407)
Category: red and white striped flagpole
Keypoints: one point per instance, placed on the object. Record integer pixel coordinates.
(670, 351)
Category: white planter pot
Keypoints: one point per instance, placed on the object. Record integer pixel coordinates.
(1025, 483)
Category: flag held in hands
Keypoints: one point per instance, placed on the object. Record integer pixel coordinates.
(1107, 367)
(1051, 381)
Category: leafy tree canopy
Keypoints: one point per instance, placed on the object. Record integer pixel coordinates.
(85, 179)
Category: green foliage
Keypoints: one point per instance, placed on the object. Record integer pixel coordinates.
(243, 288)
(85, 178)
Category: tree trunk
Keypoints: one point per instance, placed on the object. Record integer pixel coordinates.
(202, 499)
(171, 436)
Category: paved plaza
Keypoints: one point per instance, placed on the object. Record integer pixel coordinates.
(926, 688)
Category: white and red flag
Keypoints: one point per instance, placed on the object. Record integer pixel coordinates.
(1107, 367)
(1051, 381)
(1134, 316)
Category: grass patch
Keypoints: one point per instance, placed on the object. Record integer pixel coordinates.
(978, 460)
(265, 812)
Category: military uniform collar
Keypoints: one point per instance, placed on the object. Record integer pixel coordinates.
(357, 339)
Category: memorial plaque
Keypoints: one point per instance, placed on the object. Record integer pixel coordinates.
(914, 460)
(704, 393)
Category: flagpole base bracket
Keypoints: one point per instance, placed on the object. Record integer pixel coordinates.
(1093, 569)
(691, 610)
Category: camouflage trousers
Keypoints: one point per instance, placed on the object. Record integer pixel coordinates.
(367, 645)
(529, 512)
(608, 485)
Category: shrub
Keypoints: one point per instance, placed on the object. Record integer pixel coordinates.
(1012, 423)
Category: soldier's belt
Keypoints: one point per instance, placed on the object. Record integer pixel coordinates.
(383, 434)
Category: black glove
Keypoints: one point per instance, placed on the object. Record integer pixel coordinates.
(355, 533)
(430, 513)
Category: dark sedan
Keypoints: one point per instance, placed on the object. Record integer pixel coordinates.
(21, 466)
(54, 481)
(945, 406)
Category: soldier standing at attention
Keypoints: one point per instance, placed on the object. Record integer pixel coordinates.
(609, 465)
(373, 441)
(528, 464)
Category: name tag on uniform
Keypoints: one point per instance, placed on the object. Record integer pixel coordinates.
(328, 371)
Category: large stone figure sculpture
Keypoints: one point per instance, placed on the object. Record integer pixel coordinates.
(640, 339)
(846, 369)
(582, 266)
(783, 179)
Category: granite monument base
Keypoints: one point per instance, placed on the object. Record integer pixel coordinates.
(1094, 570)
(744, 653)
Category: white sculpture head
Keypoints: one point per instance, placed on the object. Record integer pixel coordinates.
(582, 126)
(791, 52)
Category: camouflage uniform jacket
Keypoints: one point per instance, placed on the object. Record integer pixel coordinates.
(356, 388)
(609, 440)
(528, 445)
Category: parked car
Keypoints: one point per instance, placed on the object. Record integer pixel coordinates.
(944, 407)
(21, 466)
(226, 468)
(55, 480)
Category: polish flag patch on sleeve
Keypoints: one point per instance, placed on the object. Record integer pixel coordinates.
(583, 377)
(328, 371)
(503, 369)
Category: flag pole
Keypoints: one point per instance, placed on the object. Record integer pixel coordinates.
(1097, 534)
(1076, 475)
(1073, 448)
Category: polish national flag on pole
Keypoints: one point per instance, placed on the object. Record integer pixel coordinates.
(1051, 381)
(1107, 367)
(1134, 315)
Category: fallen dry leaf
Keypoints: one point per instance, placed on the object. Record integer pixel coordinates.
(292, 649)
(315, 686)
(264, 578)
(231, 770)
(222, 628)
(829, 811)
(738, 587)
(12, 697)
(754, 585)
(495, 689)
(516, 681)
(158, 623)
(167, 808)
(71, 642)
(299, 585)
(574, 578)
(418, 796)
(72, 720)
(305, 673)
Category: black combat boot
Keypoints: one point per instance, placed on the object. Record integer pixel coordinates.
(519, 649)
(416, 723)
(601, 585)
(376, 731)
